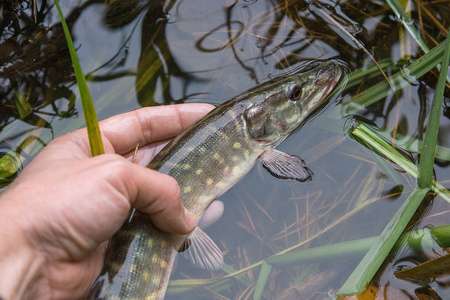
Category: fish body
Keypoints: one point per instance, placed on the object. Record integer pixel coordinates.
(206, 160)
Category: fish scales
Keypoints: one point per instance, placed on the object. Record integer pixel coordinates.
(216, 168)
(219, 133)
(135, 248)
(206, 160)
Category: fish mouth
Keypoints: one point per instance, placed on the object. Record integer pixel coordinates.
(333, 79)
(327, 78)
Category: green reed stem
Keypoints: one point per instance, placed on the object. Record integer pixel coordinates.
(264, 273)
(369, 265)
(399, 80)
(397, 8)
(95, 139)
(399, 11)
(426, 164)
(415, 240)
(414, 145)
(368, 134)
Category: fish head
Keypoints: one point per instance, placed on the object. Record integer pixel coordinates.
(289, 101)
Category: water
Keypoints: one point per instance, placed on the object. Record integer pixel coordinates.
(141, 53)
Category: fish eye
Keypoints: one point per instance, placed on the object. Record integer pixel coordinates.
(295, 93)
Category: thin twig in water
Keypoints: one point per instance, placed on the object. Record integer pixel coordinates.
(324, 14)
(35, 11)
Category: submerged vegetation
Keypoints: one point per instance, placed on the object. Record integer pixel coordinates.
(378, 186)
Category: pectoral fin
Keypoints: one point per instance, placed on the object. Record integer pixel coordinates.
(285, 166)
(202, 251)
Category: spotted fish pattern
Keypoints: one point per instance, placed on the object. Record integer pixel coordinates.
(206, 160)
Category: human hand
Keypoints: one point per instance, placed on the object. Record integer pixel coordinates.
(56, 216)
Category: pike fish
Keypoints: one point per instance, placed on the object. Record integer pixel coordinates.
(206, 160)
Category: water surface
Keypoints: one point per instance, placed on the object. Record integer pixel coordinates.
(144, 53)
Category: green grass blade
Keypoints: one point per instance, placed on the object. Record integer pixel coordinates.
(423, 239)
(262, 279)
(399, 80)
(376, 255)
(397, 8)
(416, 240)
(426, 164)
(95, 139)
(371, 138)
(399, 11)
(414, 145)
(324, 253)
(356, 77)
(364, 272)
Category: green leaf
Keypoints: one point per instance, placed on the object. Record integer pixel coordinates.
(22, 105)
(10, 164)
(95, 139)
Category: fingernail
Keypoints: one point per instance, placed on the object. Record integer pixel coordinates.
(190, 220)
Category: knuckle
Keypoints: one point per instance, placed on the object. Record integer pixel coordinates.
(172, 189)
(115, 162)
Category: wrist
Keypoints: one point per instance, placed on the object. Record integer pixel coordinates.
(20, 265)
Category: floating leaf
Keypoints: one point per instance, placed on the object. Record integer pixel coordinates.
(430, 269)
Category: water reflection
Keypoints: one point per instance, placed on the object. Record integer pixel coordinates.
(34, 66)
(140, 53)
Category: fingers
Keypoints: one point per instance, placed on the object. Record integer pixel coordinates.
(155, 194)
(151, 192)
(212, 214)
(123, 132)
(152, 124)
(165, 208)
